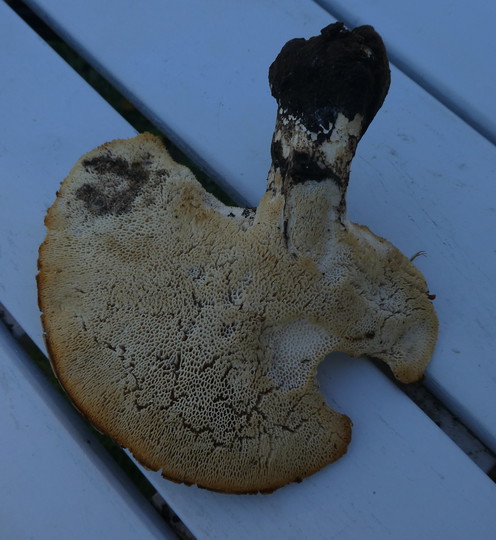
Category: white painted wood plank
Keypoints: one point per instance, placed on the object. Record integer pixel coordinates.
(400, 453)
(446, 44)
(419, 171)
(56, 484)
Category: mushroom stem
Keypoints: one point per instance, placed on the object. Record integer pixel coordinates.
(328, 89)
(312, 177)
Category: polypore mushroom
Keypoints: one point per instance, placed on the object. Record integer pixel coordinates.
(191, 332)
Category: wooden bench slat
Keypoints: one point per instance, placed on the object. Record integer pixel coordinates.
(419, 171)
(55, 482)
(449, 46)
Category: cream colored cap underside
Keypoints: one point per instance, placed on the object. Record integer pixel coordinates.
(189, 333)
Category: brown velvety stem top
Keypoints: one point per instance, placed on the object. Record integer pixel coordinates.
(339, 71)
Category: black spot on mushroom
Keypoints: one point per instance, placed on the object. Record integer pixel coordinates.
(248, 212)
(119, 183)
(277, 156)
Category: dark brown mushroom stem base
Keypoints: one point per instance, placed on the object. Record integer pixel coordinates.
(190, 331)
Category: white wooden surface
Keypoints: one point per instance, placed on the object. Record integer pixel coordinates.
(422, 178)
(402, 477)
(447, 45)
(55, 482)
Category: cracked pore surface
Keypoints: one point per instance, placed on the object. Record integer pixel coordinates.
(171, 340)
(192, 335)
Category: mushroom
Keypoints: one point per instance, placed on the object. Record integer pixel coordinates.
(190, 331)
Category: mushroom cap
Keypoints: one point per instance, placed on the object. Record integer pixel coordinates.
(191, 332)
(171, 326)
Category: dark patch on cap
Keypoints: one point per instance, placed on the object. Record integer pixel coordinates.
(119, 184)
(340, 71)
